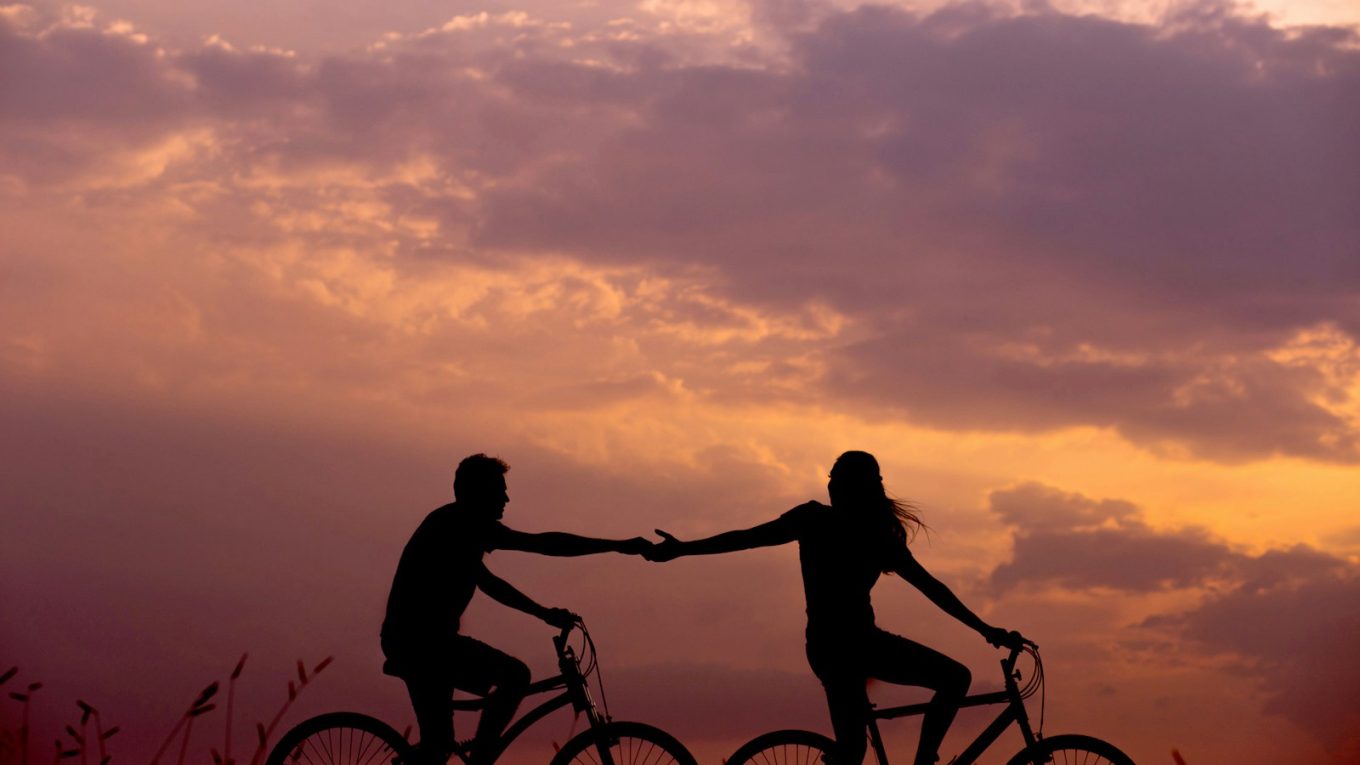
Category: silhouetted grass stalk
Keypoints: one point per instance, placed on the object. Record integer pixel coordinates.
(84, 730)
(25, 698)
(185, 722)
(184, 743)
(182, 730)
(104, 735)
(263, 733)
(88, 712)
(80, 744)
(231, 698)
(7, 741)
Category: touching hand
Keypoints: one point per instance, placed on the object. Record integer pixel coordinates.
(635, 546)
(667, 549)
(560, 618)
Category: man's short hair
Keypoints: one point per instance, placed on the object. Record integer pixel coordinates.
(475, 473)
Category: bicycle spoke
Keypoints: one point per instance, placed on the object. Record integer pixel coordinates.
(623, 744)
(339, 738)
(368, 757)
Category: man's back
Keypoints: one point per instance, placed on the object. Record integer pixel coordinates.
(435, 580)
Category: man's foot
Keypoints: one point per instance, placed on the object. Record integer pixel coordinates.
(424, 756)
(473, 754)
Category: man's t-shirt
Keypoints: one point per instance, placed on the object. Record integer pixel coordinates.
(436, 578)
(842, 553)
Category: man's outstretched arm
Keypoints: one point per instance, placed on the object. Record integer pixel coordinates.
(504, 593)
(562, 544)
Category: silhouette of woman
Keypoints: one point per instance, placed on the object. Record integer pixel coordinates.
(842, 550)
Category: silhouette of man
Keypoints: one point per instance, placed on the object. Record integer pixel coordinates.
(439, 570)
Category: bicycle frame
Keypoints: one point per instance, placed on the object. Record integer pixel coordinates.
(574, 692)
(1013, 713)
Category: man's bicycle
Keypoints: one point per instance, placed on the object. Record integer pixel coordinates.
(801, 747)
(351, 738)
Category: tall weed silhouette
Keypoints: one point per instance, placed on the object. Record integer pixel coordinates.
(87, 738)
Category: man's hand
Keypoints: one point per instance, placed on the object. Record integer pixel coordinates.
(1002, 638)
(560, 618)
(635, 546)
(667, 549)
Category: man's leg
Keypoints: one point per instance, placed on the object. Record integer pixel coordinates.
(431, 698)
(898, 660)
(500, 677)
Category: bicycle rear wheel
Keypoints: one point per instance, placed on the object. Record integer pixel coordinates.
(341, 738)
(783, 747)
(624, 743)
(1071, 749)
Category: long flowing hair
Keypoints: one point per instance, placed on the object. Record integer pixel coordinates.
(864, 488)
(908, 517)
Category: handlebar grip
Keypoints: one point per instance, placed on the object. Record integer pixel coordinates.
(561, 638)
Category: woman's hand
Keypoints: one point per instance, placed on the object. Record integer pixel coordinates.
(665, 550)
(560, 618)
(1002, 638)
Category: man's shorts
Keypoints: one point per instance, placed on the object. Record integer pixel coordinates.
(459, 662)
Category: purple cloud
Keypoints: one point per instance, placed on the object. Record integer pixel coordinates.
(1080, 543)
(1029, 222)
(1291, 614)
(1298, 634)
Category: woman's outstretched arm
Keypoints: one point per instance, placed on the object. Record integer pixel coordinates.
(911, 570)
(776, 532)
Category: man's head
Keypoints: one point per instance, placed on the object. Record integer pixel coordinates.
(479, 485)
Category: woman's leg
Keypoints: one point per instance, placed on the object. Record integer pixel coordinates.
(848, 703)
(895, 659)
(835, 662)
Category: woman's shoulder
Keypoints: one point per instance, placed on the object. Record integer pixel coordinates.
(807, 512)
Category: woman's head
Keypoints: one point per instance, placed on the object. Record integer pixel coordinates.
(855, 480)
(856, 483)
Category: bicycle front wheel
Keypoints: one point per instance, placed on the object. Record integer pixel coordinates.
(341, 738)
(624, 743)
(783, 747)
(1071, 749)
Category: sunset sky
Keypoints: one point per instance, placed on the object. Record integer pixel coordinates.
(1085, 276)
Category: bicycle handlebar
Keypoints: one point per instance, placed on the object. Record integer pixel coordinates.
(1015, 649)
(1017, 642)
(560, 640)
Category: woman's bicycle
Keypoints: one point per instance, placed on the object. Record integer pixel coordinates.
(351, 738)
(801, 747)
